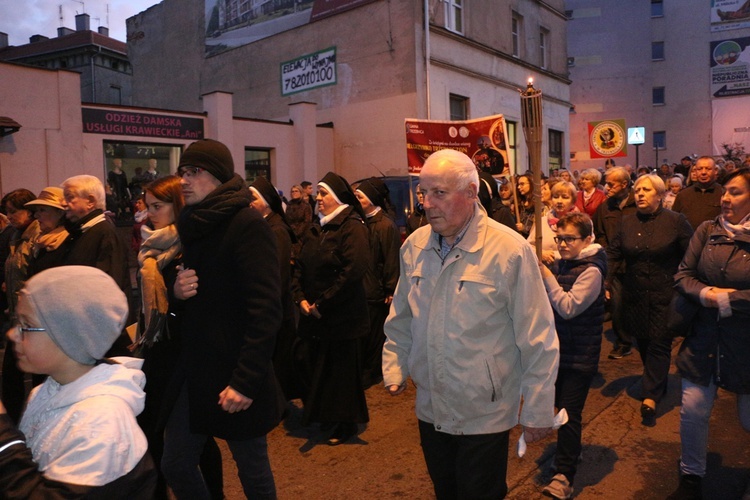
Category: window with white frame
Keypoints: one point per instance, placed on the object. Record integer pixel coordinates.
(543, 48)
(454, 15)
(516, 27)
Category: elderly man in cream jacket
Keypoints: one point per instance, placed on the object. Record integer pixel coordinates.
(471, 325)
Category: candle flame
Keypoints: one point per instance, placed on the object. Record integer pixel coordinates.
(531, 81)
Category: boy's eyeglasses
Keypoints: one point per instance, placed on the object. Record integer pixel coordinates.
(567, 239)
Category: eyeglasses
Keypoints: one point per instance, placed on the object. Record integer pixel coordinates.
(22, 330)
(189, 171)
(567, 239)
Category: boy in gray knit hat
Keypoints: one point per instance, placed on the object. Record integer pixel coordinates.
(78, 434)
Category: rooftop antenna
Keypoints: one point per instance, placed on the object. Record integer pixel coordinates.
(60, 11)
(107, 19)
(83, 6)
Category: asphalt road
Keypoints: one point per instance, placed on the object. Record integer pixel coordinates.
(621, 458)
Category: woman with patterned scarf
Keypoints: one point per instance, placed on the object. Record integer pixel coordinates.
(159, 344)
(48, 209)
(715, 277)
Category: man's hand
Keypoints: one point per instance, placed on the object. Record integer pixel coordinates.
(532, 434)
(232, 401)
(395, 390)
(186, 284)
(3, 411)
(389, 300)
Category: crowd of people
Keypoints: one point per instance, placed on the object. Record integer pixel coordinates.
(253, 300)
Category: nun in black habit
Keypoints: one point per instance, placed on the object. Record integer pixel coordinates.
(328, 287)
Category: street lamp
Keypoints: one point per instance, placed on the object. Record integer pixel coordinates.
(531, 119)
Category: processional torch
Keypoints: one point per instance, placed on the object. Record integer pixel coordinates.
(531, 119)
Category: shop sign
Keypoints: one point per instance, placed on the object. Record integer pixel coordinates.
(115, 122)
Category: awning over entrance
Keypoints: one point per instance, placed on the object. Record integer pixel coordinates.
(8, 126)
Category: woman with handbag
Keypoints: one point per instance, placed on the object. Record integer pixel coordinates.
(715, 276)
(159, 343)
(651, 243)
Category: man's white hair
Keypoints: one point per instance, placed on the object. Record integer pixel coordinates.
(85, 186)
(458, 165)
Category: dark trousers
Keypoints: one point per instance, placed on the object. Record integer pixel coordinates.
(372, 358)
(656, 355)
(465, 466)
(616, 308)
(181, 458)
(571, 390)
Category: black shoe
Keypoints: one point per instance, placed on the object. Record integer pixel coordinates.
(689, 489)
(648, 416)
(327, 427)
(620, 352)
(343, 433)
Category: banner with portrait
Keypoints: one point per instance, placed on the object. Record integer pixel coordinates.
(482, 140)
(607, 139)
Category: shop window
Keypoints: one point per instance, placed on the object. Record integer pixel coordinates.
(257, 164)
(137, 161)
(555, 149)
(510, 143)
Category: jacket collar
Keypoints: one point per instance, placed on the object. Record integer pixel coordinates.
(472, 240)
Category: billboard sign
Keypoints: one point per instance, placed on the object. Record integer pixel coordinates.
(233, 23)
(730, 60)
(309, 72)
(729, 15)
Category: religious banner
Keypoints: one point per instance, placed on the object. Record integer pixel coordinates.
(607, 139)
(482, 139)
